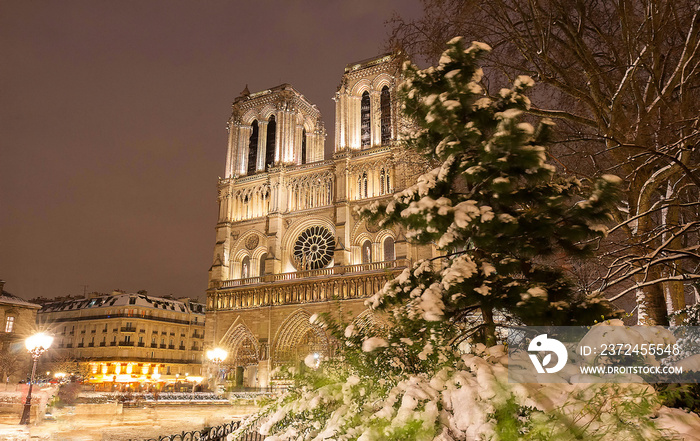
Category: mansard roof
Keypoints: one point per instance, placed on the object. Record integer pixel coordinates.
(141, 301)
(10, 299)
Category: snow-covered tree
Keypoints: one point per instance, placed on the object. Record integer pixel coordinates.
(502, 218)
(500, 215)
(621, 79)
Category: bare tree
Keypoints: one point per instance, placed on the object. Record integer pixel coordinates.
(621, 79)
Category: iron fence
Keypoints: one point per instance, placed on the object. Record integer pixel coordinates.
(218, 433)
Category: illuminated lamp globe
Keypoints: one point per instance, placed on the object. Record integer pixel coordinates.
(217, 355)
(38, 342)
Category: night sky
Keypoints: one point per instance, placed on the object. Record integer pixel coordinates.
(113, 126)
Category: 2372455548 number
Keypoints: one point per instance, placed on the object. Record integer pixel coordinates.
(618, 349)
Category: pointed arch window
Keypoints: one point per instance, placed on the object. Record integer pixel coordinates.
(388, 182)
(365, 129)
(367, 252)
(245, 267)
(389, 248)
(263, 258)
(253, 149)
(385, 108)
(271, 142)
(303, 146)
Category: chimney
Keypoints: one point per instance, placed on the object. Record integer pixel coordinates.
(2, 286)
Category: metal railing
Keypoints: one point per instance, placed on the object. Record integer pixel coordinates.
(217, 433)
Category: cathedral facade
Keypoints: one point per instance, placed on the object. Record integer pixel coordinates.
(289, 242)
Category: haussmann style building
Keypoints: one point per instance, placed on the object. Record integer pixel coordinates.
(128, 341)
(289, 242)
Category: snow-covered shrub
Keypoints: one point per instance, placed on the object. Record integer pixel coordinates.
(471, 400)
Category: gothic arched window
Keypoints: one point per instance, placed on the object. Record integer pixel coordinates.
(270, 147)
(263, 258)
(385, 108)
(253, 149)
(367, 252)
(303, 146)
(365, 129)
(389, 248)
(388, 182)
(245, 267)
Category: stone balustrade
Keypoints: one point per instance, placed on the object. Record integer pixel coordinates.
(338, 282)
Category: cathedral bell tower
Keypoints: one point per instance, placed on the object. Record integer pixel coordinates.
(289, 242)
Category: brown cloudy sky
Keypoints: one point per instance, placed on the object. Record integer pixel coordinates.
(112, 126)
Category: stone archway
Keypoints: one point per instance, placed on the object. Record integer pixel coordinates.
(244, 355)
(296, 338)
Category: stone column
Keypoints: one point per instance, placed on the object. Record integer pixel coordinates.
(298, 143)
(262, 144)
(231, 151)
(340, 143)
(244, 133)
(355, 122)
(375, 118)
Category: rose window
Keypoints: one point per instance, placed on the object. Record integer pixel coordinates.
(313, 248)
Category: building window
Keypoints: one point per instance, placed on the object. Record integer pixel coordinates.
(389, 248)
(10, 324)
(365, 130)
(253, 149)
(245, 267)
(385, 108)
(364, 183)
(263, 258)
(303, 146)
(367, 252)
(270, 148)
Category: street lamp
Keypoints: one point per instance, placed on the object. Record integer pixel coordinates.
(37, 344)
(217, 356)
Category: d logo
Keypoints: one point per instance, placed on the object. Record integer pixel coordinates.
(542, 343)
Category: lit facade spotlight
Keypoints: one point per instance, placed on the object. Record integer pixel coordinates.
(37, 344)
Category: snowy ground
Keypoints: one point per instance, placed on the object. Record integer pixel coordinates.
(133, 423)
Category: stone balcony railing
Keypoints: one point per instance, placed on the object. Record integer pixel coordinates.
(334, 270)
(339, 282)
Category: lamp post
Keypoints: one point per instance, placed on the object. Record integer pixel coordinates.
(217, 356)
(37, 344)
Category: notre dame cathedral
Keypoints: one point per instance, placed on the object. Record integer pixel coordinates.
(289, 242)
